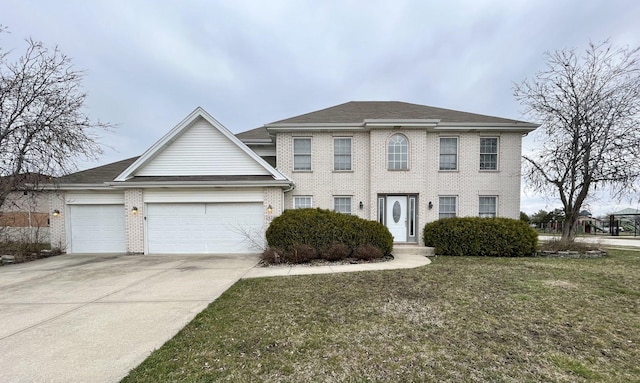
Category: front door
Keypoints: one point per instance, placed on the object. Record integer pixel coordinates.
(397, 217)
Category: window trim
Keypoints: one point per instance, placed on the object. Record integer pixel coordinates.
(350, 139)
(303, 154)
(407, 164)
(497, 154)
(457, 153)
(350, 198)
(302, 196)
(455, 213)
(495, 212)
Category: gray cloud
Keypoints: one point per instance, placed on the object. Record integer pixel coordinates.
(150, 63)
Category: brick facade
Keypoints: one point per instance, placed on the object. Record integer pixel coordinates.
(370, 176)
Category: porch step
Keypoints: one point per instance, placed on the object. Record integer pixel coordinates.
(412, 250)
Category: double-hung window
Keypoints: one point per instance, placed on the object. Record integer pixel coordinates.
(302, 154)
(342, 153)
(488, 206)
(447, 206)
(342, 204)
(448, 153)
(302, 202)
(398, 152)
(488, 153)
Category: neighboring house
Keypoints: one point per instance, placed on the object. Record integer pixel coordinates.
(200, 189)
(24, 215)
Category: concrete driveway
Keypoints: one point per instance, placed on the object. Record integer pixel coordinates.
(92, 318)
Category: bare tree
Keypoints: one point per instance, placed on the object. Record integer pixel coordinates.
(43, 128)
(588, 106)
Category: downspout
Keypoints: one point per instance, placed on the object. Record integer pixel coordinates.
(293, 186)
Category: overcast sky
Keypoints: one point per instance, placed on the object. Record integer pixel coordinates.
(150, 63)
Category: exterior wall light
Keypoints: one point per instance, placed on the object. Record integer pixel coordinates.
(269, 209)
(361, 205)
(134, 210)
(56, 213)
(430, 205)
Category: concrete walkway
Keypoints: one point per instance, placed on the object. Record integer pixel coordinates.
(400, 261)
(604, 241)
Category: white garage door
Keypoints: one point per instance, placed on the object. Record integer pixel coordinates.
(203, 227)
(97, 228)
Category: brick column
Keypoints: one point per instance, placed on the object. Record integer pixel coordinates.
(57, 227)
(134, 221)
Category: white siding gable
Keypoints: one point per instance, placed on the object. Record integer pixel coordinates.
(201, 149)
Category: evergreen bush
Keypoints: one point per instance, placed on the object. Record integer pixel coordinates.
(474, 236)
(323, 230)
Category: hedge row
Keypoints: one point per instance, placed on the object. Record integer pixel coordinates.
(473, 236)
(298, 233)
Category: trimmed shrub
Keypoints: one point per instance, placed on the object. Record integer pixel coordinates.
(335, 252)
(300, 254)
(272, 255)
(474, 236)
(321, 229)
(367, 252)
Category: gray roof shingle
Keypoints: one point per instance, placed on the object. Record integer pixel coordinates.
(257, 134)
(97, 175)
(358, 111)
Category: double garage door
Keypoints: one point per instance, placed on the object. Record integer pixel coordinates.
(169, 228)
(203, 227)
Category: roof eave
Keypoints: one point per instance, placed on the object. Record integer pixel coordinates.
(478, 126)
(196, 184)
(258, 142)
(431, 124)
(78, 186)
(287, 127)
(405, 123)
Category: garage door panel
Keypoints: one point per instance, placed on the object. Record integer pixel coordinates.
(202, 228)
(97, 228)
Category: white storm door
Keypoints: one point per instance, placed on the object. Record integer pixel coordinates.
(397, 217)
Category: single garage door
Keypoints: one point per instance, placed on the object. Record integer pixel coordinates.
(203, 227)
(97, 228)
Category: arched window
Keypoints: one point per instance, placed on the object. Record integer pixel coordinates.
(398, 152)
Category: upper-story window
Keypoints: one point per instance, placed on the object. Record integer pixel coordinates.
(488, 153)
(448, 153)
(398, 152)
(342, 153)
(302, 154)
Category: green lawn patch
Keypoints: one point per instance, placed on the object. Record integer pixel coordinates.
(460, 319)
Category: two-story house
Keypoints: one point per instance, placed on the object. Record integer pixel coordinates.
(201, 189)
(401, 164)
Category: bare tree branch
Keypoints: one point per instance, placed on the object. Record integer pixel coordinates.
(588, 105)
(43, 127)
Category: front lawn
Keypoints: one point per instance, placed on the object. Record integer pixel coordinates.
(459, 319)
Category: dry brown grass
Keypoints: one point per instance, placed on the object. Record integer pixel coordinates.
(459, 319)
